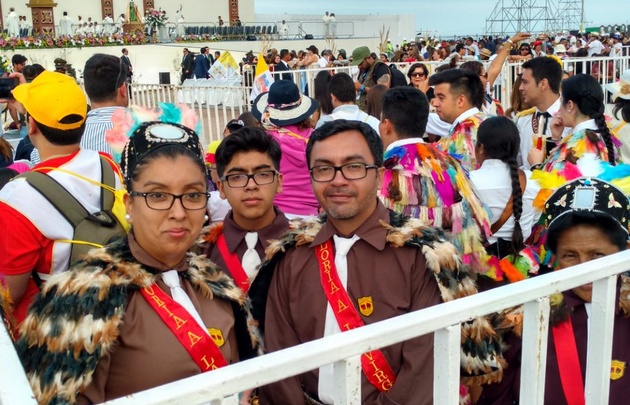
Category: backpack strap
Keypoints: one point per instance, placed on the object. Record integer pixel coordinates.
(108, 177)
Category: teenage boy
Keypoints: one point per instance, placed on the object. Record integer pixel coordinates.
(247, 163)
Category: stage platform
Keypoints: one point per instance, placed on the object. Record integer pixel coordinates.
(152, 59)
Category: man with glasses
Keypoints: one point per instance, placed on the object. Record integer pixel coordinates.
(357, 264)
(247, 163)
(37, 239)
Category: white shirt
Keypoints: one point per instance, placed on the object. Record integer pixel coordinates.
(463, 116)
(435, 126)
(494, 186)
(524, 125)
(349, 112)
(403, 142)
(595, 47)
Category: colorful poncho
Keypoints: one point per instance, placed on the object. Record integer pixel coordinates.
(423, 182)
(460, 142)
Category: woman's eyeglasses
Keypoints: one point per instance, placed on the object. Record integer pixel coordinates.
(418, 74)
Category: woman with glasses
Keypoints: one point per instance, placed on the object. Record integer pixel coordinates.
(144, 310)
(418, 75)
(523, 53)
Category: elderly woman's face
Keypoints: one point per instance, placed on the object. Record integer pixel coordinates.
(167, 234)
(580, 244)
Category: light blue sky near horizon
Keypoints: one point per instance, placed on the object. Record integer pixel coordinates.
(449, 17)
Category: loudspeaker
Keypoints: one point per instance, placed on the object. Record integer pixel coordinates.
(308, 36)
(251, 38)
(165, 78)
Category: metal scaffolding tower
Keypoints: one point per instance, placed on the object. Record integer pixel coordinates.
(570, 13)
(511, 16)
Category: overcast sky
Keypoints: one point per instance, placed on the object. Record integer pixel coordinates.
(448, 16)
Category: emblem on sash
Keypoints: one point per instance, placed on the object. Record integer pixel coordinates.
(617, 369)
(217, 336)
(365, 306)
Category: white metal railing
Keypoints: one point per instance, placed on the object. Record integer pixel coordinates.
(444, 320)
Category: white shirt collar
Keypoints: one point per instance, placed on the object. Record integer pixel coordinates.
(554, 108)
(464, 115)
(588, 124)
(403, 142)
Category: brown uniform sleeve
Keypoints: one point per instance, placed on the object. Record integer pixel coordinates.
(280, 334)
(95, 392)
(414, 381)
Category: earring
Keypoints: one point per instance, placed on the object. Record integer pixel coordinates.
(206, 218)
(128, 217)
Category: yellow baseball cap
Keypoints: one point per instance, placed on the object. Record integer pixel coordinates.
(53, 99)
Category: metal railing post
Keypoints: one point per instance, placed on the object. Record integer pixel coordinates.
(535, 333)
(347, 381)
(446, 360)
(600, 337)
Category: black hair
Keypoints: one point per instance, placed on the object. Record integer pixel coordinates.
(500, 139)
(283, 52)
(588, 96)
(473, 66)
(408, 110)
(103, 75)
(17, 59)
(342, 87)
(170, 151)
(623, 105)
(321, 94)
(62, 137)
(606, 223)
(247, 139)
(462, 82)
(334, 127)
(416, 66)
(545, 68)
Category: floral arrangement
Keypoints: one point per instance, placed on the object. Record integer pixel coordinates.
(156, 18)
(196, 38)
(71, 41)
(5, 64)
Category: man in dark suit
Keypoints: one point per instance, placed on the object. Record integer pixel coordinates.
(187, 65)
(283, 66)
(202, 65)
(127, 62)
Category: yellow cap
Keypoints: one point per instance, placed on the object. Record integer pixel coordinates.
(53, 99)
(212, 149)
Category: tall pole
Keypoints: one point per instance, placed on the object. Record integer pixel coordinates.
(582, 18)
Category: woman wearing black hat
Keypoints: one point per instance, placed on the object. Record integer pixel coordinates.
(285, 115)
(586, 219)
(142, 311)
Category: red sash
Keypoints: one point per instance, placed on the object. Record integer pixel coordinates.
(568, 363)
(195, 340)
(374, 364)
(233, 264)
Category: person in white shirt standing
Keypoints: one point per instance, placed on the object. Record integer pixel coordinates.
(343, 96)
(594, 45)
(65, 24)
(13, 26)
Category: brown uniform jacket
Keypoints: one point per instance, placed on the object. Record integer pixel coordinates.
(235, 238)
(397, 281)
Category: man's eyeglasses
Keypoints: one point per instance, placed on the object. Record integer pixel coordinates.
(350, 171)
(241, 180)
(161, 201)
(418, 74)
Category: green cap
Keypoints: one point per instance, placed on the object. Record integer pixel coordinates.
(359, 54)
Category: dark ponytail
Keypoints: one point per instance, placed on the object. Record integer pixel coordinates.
(623, 105)
(588, 96)
(500, 139)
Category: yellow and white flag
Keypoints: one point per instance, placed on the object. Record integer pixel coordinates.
(263, 78)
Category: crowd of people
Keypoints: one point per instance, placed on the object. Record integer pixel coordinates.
(135, 258)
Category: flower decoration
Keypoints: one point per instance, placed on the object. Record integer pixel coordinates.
(156, 18)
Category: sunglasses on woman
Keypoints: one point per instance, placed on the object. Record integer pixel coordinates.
(418, 74)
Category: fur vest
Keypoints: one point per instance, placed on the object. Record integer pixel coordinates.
(481, 357)
(76, 318)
